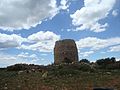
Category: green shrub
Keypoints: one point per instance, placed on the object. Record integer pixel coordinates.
(84, 61)
(85, 67)
(17, 67)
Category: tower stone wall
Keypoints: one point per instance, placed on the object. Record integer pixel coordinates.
(65, 51)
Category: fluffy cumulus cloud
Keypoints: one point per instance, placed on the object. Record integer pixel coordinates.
(88, 17)
(9, 41)
(43, 36)
(41, 41)
(64, 5)
(18, 14)
(95, 44)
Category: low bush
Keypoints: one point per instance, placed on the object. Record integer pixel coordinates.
(18, 67)
(86, 67)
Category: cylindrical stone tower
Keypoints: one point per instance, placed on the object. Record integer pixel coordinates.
(65, 51)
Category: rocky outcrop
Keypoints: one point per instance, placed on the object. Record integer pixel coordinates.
(65, 51)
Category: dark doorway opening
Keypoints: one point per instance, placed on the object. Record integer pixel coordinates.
(67, 60)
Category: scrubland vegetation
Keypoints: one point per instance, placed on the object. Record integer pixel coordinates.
(83, 75)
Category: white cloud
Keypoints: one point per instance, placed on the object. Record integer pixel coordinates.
(86, 54)
(9, 41)
(26, 56)
(115, 13)
(88, 17)
(8, 59)
(41, 41)
(89, 42)
(117, 59)
(23, 55)
(43, 36)
(64, 5)
(18, 14)
(96, 44)
(43, 54)
(115, 48)
(103, 52)
(39, 46)
(90, 45)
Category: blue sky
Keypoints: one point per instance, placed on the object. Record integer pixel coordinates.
(30, 28)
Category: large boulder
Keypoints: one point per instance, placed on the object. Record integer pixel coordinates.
(65, 51)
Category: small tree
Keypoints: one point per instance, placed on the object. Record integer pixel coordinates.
(113, 60)
(104, 63)
(84, 61)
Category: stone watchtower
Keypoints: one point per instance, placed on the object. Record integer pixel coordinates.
(65, 51)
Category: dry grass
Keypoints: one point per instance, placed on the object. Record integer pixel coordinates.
(10, 80)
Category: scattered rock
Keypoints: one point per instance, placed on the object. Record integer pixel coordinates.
(108, 73)
(20, 72)
(18, 86)
(45, 75)
(33, 70)
(5, 88)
